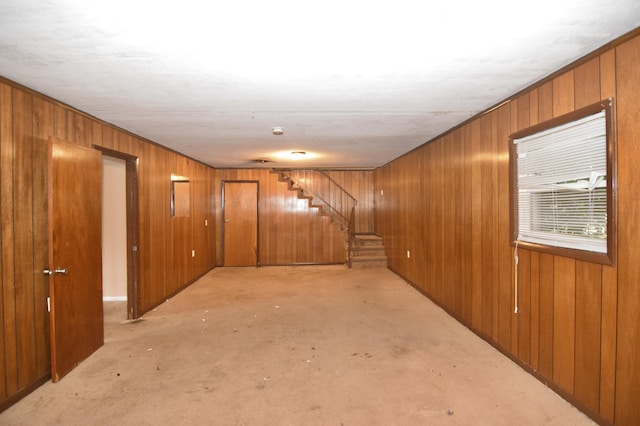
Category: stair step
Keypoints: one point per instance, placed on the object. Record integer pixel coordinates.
(369, 262)
(364, 240)
(368, 251)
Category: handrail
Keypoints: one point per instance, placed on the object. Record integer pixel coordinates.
(324, 172)
(326, 203)
(352, 235)
(321, 187)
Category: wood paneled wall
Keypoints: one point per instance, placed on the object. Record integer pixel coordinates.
(578, 326)
(27, 120)
(289, 232)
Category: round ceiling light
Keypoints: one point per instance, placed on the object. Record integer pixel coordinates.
(277, 131)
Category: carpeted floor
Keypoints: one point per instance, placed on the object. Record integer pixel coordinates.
(312, 345)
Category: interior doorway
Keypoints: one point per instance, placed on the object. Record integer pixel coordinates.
(114, 229)
(124, 256)
(240, 223)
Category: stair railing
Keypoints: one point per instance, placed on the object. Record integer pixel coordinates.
(352, 235)
(330, 195)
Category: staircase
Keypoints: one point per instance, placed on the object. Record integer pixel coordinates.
(367, 251)
(326, 195)
(314, 201)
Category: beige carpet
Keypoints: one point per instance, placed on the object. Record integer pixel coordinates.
(312, 345)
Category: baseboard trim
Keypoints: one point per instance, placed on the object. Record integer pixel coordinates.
(114, 298)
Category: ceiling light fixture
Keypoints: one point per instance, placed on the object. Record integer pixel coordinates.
(277, 131)
(298, 153)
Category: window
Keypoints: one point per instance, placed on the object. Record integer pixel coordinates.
(562, 185)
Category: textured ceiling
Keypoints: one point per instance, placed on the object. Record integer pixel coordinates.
(354, 84)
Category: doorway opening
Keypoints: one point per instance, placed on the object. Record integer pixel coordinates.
(120, 229)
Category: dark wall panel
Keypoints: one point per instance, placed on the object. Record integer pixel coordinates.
(27, 121)
(577, 325)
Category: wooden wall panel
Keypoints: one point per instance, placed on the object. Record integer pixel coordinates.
(23, 241)
(289, 232)
(609, 278)
(43, 120)
(578, 322)
(504, 259)
(27, 120)
(476, 226)
(564, 317)
(9, 353)
(627, 409)
(488, 223)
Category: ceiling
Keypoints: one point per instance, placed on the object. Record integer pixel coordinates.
(354, 84)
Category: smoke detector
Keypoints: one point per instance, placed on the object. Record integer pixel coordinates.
(277, 131)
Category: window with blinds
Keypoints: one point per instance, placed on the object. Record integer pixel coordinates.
(562, 183)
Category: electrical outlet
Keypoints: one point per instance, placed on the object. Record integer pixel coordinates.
(206, 222)
(382, 192)
(408, 254)
(193, 253)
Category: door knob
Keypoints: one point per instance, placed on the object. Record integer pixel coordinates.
(227, 220)
(58, 271)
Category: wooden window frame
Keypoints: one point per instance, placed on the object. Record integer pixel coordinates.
(608, 258)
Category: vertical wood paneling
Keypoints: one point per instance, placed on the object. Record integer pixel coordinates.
(495, 279)
(546, 330)
(467, 216)
(627, 409)
(27, 121)
(564, 320)
(506, 316)
(43, 119)
(23, 237)
(448, 222)
(523, 329)
(587, 83)
(534, 348)
(609, 278)
(534, 112)
(432, 221)
(476, 224)
(564, 270)
(9, 353)
(588, 318)
(545, 274)
(588, 297)
(577, 325)
(608, 342)
(3, 373)
(487, 214)
(524, 306)
(60, 122)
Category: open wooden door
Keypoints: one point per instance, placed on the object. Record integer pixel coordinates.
(75, 255)
(240, 224)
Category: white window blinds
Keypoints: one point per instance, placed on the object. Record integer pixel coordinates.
(561, 186)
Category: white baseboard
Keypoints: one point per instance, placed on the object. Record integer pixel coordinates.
(114, 298)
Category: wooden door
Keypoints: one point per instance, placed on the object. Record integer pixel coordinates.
(75, 255)
(240, 224)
